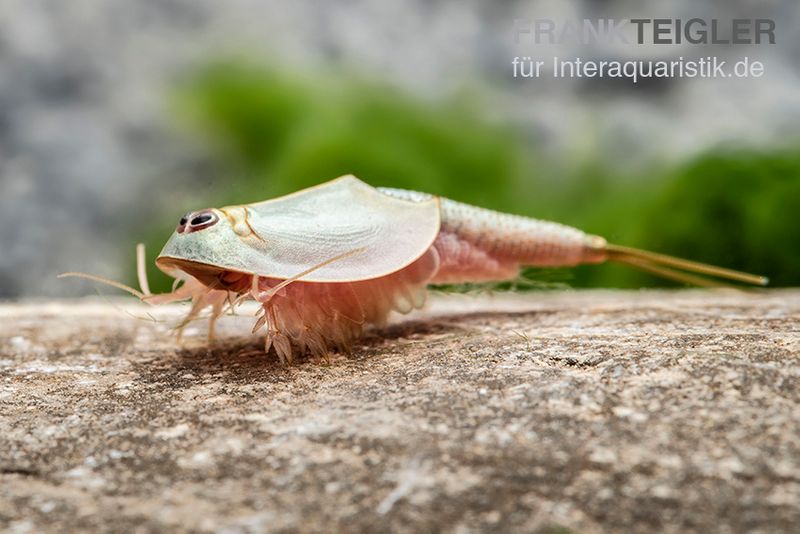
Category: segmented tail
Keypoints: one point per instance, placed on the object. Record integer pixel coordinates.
(679, 269)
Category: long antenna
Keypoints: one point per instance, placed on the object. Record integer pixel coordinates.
(141, 274)
(141, 270)
(102, 280)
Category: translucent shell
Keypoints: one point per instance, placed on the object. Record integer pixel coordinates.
(372, 233)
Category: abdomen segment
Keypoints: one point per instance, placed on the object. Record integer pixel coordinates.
(477, 244)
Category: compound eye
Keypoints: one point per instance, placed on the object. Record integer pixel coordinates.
(201, 220)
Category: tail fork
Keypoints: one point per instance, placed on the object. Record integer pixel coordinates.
(679, 269)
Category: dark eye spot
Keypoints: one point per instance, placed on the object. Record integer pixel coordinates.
(201, 219)
(182, 223)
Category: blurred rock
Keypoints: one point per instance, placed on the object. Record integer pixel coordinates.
(87, 149)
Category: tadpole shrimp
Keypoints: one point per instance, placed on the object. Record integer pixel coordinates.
(326, 262)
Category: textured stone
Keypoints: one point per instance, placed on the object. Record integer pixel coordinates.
(581, 410)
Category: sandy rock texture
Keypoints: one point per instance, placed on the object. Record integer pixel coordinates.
(583, 411)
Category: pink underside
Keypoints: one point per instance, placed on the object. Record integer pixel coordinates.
(460, 261)
(318, 317)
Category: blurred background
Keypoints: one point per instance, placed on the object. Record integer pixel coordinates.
(117, 117)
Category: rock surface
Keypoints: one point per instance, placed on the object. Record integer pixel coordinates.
(582, 410)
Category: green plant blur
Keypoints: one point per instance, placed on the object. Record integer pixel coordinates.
(272, 132)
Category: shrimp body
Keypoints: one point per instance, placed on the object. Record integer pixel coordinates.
(473, 245)
(327, 262)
